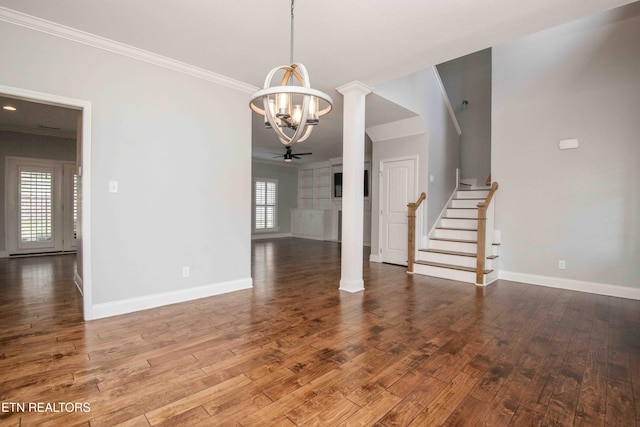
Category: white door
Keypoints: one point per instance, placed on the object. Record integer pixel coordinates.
(36, 219)
(398, 189)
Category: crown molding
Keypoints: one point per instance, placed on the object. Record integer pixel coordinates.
(34, 23)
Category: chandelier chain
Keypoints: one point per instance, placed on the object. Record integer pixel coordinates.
(291, 47)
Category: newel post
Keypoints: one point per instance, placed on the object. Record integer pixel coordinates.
(482, 229)
(411, 231)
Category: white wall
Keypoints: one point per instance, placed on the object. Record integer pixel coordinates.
(420, 92)
(180, 148)
(469, 78)
(287, 176)
(34, 146)
(580, 80)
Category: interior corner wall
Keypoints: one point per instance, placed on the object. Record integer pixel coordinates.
(19, 144)
(469, 78)
(582, 81)
(180, 148)
(287, 177)
(420, 92)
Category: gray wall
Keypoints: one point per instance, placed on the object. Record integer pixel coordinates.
(180, 148)
(469, 77)
(581, 80)
(420, 93)
(16, 144)
(287, 176)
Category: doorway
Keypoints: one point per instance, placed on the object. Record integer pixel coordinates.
(398, 187)
(80, 231)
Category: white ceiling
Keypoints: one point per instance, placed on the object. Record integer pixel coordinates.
(40, 119)
(372, 41)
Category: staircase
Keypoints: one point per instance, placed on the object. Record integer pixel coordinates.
(452, 251)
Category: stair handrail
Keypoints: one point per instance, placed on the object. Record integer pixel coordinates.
(482, 234)
(411, 230)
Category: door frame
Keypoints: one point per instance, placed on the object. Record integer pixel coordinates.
(381, 189)
(83, 283)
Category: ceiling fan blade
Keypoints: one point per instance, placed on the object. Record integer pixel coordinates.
(303, 154)
(279, 155)
(295, 156)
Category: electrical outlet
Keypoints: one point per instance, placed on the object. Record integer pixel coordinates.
(185, 271)
(562, 264)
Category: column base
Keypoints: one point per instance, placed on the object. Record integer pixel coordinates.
(351, 285)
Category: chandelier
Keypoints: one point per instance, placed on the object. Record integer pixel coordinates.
(293, 108)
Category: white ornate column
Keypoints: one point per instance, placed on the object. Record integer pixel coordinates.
(354, 94)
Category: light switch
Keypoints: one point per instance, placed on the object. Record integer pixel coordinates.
(568, 144)
(113, 186)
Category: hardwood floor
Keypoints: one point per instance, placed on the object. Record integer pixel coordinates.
(295, 351)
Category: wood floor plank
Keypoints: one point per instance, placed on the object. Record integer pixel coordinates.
(591, 410)
(294, 350)
(620, 410)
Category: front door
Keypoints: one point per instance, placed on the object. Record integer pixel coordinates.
(398, 189)
(40, 206)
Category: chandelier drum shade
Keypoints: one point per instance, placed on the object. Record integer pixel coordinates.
(293, 108)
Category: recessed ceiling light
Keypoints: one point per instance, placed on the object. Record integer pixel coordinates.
(10, 108)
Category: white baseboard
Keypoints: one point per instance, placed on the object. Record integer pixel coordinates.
(151, 301)
(375, 258)
(573, 285)
(270, 236)
(4, 254)
(78, 281)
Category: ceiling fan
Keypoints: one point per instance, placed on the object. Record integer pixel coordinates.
(289, 156)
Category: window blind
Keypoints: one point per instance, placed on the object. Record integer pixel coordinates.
(36, 206)
(266, 193)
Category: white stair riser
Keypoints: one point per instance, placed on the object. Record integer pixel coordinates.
(459, 223)
(459, 260)
(456, 234)
(445, 273)
(462, 261)
(464, 203)
(452, 246)
(463, 213)
(472, 194)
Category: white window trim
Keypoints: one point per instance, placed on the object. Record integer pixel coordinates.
(276, 226)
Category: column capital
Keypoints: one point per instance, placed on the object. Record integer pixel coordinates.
(355, 86)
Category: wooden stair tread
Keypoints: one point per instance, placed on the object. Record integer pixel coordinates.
(456, 228)
(440, 251)
(444, 252)
(453, 240)
(458, 217)
(450, 266)
(475, 189)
